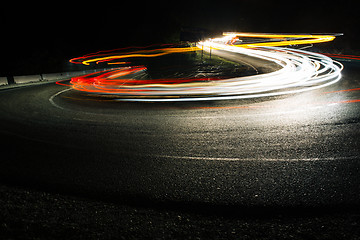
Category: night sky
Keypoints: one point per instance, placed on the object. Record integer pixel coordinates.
(43, 38)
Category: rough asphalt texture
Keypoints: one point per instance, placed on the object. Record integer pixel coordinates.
(281, 167)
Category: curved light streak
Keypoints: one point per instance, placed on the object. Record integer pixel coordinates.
(282, 39)
(299, 71)
(130, 52)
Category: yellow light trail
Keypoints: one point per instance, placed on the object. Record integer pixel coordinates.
(275, 40)
(142, 53)
(306, 39)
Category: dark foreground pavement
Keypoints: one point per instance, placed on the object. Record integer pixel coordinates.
(79, 166)
(32, 214)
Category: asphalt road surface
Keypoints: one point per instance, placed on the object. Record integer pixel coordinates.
(299, 151)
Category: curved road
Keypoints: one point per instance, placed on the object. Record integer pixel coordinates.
(293, 150)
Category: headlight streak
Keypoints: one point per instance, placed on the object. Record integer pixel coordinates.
(299, 71)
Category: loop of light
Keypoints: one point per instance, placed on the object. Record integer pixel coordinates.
(299, 71)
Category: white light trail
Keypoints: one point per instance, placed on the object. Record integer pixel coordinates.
(300, 71)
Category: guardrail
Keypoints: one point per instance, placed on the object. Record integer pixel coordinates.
(47, 77)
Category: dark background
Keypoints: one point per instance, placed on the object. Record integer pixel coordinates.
(39, 38)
